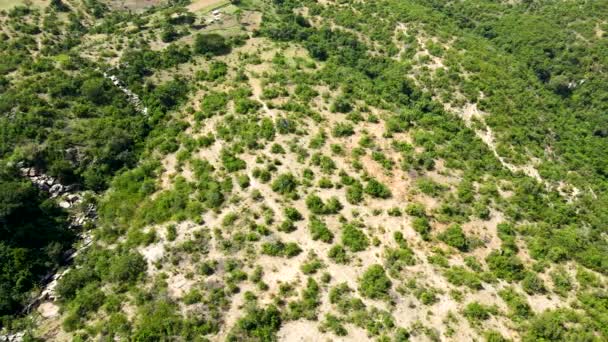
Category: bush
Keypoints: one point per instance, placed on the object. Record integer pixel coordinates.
(231, 162)
(157, 321)
(315, 204)
(374, 283)
(306, 307)
(289, 250)
(343, 129)
(458, 275)
(354, 193)
(415, 209)
(293, 214)
(353, 238)
(127, 268)
(430, 187)
(257, 324)
(333, 324)
(287, 226)
(561, 281)
(422, 226)
(505, 265)
(517, 303)
(377, 189)
(285, 184)
(478, 312)
(398, 258)
(319, 231)
(312, 266)
(341, 105)
(532, 284)
(338, 254)
(213, 44)
(494, 336)
(454, 236)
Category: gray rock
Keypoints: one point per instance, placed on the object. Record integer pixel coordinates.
(56, 189)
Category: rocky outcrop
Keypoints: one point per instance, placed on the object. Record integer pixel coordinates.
(81, 216)
(133, 98)
(16, 337)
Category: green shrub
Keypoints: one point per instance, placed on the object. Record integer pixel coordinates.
(430, 187)
(319, 231)
(171, 234)
(285, 184)
(354, 238)
(532, 284)
(454, 236)
(257, 324)
(517, 303)
(415, 209)
(231, 162)
(427, 296)
(377, 189)
(277, 149)
(325, 183)
(192, 297)
(338, 254)
(287, 226)
(127, 268)
(562, 283)
(422, 226)
(341, 105)
(343, 129)
(312, 265)
(278, 248)
(316, 205)
(396, 212)
(243, 181)
(475, 311)
(505, 265)
(458, 275)
(333, 324)
(213, 44)
(354, 193)
(374, 283)
(494, 336)
(398, 258)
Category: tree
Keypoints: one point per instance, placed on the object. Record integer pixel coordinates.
(212, 44)
(33, 235)
(94, 89)
(168, 34)
(127, 267)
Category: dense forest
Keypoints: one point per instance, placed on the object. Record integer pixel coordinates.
(282, 169)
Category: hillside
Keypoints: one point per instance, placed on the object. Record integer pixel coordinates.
(307, 170)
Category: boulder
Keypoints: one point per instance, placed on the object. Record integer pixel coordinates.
(56, 189)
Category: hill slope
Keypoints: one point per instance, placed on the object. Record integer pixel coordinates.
(303, 170)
